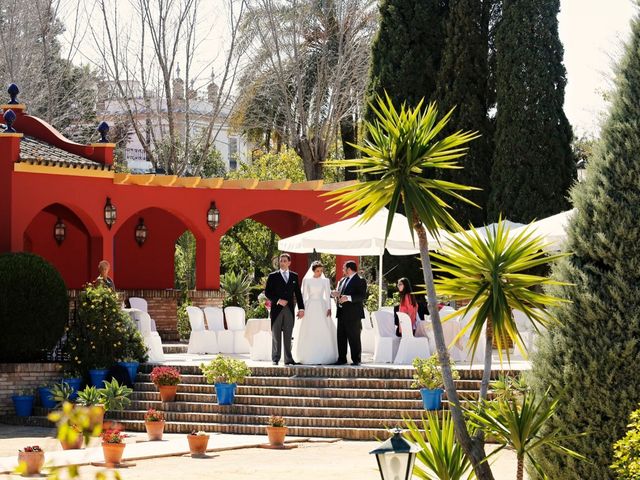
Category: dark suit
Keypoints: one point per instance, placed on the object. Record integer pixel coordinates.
(282, 318)
(350, 315)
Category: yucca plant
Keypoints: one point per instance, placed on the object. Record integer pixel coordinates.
(492, 271)
(403, 154)
(236, 288)
(441, 457)
(520, 426)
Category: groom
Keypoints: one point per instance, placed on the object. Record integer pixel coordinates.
(350, 295)
(282, 286)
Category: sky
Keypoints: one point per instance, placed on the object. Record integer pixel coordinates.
(592, 31)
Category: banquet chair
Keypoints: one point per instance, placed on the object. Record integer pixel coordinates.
(235, 323)
(451, 329)
(386, 341)
(478, 356)
(368, 336)
(215, 323)
(141, 304)
(410, 347)
(261, 348)
(526, 329)
(200, 340)
(150, 338)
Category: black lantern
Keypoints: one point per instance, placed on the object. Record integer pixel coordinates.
(396, 457)
(141, 232)
(110, 213)
(213, 216)
(59, 231)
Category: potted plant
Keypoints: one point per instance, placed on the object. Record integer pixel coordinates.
(154, 423)
(166, 379)
(46, 397)
(131, 364)
(23, 403)
(60, 393)
(76, 443)
(32, 458)
(198, 442)
(97, 376)
(225, 373)
(276, 430)
(73, 378)
(112, 446)
(428, 378)
(91, 397)
(115, 397)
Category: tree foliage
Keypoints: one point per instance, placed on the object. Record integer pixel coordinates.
(533, 166)
(592, 354)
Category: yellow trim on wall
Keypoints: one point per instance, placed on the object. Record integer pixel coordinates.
(17, 135)
(74, 172)
(112, 145)
(309, 185)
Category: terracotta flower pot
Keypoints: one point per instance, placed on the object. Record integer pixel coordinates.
(113, 452)
(33, 460)
(154, 429)
(72, 446)
(168, 392)
(198, 444)
(276, 435)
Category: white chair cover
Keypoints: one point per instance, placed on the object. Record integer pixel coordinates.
(479, 354)
(215, 323)
(141, 304)
(261, 348)
(235, 322)
(386, 342)
(410, 346)
(151, 339)
(200, 340)
(368, 335)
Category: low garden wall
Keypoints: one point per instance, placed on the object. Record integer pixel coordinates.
(15, 377)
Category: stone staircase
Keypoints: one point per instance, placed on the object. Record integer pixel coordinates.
(337, 402)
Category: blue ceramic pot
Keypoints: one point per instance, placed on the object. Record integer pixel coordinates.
(98, 376)
(132, 368)
(45, 397)
(431, 399)
(225, 393)
(74, 383)
(23, 404)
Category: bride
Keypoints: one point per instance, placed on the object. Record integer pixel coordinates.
(317, 340)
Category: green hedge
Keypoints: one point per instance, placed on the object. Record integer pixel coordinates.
(34, 307)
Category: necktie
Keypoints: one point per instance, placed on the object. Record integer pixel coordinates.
(286, 276)
(344, 285)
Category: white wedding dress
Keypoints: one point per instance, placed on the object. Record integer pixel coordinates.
(316, 342)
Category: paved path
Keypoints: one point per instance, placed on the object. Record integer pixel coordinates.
(233, 457)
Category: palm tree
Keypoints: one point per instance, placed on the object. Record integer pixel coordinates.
(520, 427)
(492, 272)
(402, 153)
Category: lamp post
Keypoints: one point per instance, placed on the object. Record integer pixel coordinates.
(396, 457)
(110, 213)
(141, 232)
(213, 216)
(59, 231)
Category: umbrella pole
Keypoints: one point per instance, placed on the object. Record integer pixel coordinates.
(380, 281)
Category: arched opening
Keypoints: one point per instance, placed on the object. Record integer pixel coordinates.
(145, 250)
(71, 249)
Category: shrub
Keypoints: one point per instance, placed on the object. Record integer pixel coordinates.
(626, 451)
(103, 333)
(183, 326)
(34, 307)
(428, 373)
(165, 376)
(225, 370)
(236, 288)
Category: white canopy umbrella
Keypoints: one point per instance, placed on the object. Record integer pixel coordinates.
(482, 231)
(348, 237)
(553, 229)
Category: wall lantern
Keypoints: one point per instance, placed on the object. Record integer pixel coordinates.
(59, 231)
(141, 232)
(396, 457)
(213, 216)
(110, 213)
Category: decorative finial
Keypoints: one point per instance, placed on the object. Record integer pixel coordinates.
(13, 92)
(103, 128)
(9, 118)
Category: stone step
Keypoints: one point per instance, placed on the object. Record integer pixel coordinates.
(318, 382)
(174, 347)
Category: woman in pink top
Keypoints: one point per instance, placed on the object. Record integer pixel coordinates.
(408, 304)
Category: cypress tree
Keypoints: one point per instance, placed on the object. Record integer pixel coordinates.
(463, 83)
(407, 50)
(592, 356)
(533, 167)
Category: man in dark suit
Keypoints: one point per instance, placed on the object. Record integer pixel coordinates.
(350, 296)
(283, 290)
